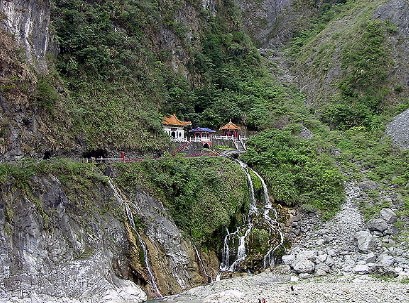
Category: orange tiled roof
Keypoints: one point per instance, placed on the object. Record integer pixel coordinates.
(230, 126)
(174, 121)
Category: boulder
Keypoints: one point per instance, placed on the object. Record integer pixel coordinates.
(388, 215)
(370, 258)
(304, 266)
(386, 260)
(322, 269)
(365, 241)
(322, 258)
(368, 185)
(307, 255)
(320, 242)
(379, 225)
(288, 259)
(392, 230)
(329, 261)
(361, 269)
(305, 276)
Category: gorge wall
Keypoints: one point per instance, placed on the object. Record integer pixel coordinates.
(67, 237)
(118, 67)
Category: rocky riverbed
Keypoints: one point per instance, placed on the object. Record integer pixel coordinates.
(276, 288)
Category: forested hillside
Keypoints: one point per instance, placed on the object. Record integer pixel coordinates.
(313, 84)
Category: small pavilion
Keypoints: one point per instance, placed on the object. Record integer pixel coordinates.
(230, 129)
(203, 134)
(175, 127)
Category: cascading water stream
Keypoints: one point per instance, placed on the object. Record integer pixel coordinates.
(253, 206)
(253, 211)
(274, 225)
(241, 249)
(202, 267)
(224, 266)
(131, 221)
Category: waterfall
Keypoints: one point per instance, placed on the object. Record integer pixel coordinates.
(268, 259)
(202, 267)
(253, 206)
(272, 223)
(241, 249)
(129, 215)
(224, 265)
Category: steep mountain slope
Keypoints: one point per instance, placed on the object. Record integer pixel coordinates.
(115, 67)
(69, 232)
(81, 75)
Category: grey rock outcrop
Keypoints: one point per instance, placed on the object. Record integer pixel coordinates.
(61, 246)
(263, 18)
(388, 215)
(28, 21)
(52, 250)
(398, 130)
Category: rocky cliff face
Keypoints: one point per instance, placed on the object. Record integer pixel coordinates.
(26, 128)
(265, 20)
(28, 22)
(63, 241)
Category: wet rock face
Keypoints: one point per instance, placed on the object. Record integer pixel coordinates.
(54, 249)
(28, 21)
(172, 257)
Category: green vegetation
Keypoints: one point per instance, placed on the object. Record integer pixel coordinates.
(203, 195)
(79, 180)
(120, 84)
(363, 89)
(350, 52)
(369, 155)
(347, 56)
(123, 64)
(116, 80)
(297, 170)
(46, 94)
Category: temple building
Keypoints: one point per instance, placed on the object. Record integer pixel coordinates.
(203, 135)
(175, 128)
(230, 130)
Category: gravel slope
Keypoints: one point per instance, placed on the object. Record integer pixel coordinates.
(275, 290)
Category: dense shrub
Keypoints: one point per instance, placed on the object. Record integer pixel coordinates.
(202, 195)
(298, 171)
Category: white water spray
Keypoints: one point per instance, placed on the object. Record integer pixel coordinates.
(272, 223)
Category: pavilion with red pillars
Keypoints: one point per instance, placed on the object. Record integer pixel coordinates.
(230, 129)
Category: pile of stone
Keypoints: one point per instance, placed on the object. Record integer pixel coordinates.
(346, 244)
